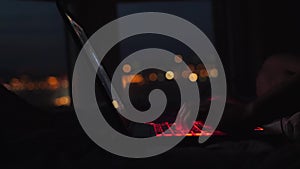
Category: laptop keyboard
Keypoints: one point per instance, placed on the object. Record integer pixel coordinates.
(161, 129)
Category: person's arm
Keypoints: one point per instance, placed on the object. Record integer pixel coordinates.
(282, 100)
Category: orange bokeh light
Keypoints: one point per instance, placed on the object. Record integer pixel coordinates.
(153, 77)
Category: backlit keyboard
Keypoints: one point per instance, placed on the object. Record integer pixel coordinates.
(161, 129)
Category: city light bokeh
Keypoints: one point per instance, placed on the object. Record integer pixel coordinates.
(48, 91)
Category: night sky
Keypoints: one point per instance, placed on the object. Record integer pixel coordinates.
(198, 13)
(32, 39)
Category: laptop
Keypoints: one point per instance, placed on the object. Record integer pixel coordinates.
(109, 100)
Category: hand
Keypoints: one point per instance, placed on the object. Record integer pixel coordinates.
(291, 126)
(183, 116)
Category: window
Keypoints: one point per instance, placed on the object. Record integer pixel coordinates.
(33, 52)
